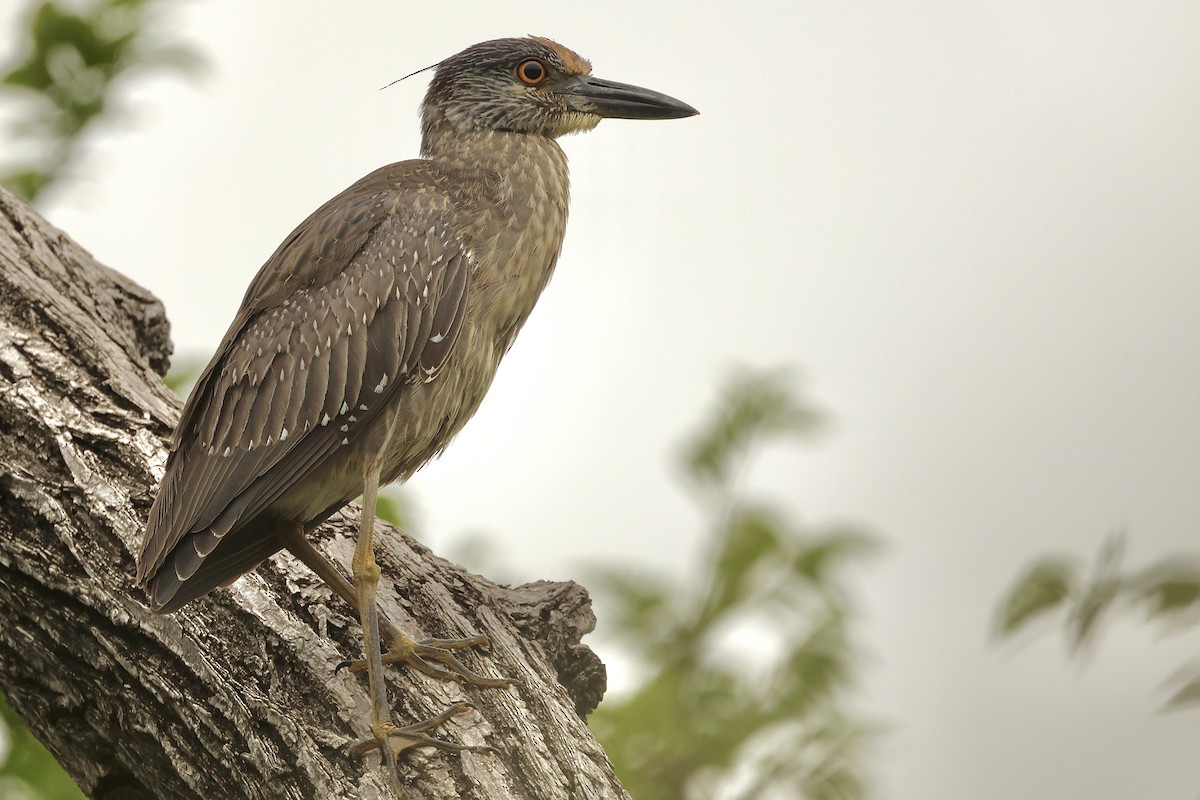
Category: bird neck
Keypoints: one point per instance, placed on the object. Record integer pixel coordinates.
(516, 188)
(498, 166)
(450, 142)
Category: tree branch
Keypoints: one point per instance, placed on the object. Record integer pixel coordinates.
(235, 696)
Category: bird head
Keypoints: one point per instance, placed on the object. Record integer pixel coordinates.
(534, 85)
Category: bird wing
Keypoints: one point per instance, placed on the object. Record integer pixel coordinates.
(365, 297)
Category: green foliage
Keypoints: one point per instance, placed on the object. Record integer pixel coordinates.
(393, 505)
(70, 70)
(746, 667)
(28, 770)
(754, 406)
(1170, 587)
(1044, 587)
(182, 375)
(1167, 591)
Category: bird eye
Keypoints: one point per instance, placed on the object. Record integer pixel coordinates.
(531, 71)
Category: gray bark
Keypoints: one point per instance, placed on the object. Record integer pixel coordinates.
(236, 695)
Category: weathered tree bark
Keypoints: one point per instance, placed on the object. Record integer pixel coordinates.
(236, 695)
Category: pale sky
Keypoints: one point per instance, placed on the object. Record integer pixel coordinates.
(971, 226)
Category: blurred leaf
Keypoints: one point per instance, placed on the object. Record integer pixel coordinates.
(753, 405)
(816, 560)
(1098, 597)
(638, 605)
(27, 182)
(391, 505)
(1169, 587)
(183, 374)
(751, 538)
(70, 67)
(1043, 588)
(30, 764)
(818, 666)
(1187, 696)
(744, 666)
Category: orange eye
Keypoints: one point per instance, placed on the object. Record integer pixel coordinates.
(531, 71)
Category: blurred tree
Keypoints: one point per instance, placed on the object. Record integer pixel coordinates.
(71, 72)
(1167, 591)
(743, 671)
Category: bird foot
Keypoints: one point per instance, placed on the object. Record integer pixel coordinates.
(434, 657)
(399, 738)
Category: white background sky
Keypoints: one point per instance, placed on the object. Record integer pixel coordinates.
(973, 226)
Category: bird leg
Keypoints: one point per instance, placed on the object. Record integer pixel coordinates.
(390, 739)
(420, 655)
(366, 583)
(425, 656)
(402, 738)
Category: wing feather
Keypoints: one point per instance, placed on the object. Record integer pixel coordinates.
(320, 362)
(339, 363)
(356, 362)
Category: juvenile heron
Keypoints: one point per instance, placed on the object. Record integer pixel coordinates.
(370, 336)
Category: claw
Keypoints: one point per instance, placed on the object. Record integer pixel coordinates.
(401, 738)
(433, 657)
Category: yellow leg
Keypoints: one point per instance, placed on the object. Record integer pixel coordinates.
(366, 584)
(400, 739)
(422, 656)
(387, 737)
(431, 657)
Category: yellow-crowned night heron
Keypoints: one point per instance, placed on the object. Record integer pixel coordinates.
(370, 336)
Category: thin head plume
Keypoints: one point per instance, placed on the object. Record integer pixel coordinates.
(409, 75)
